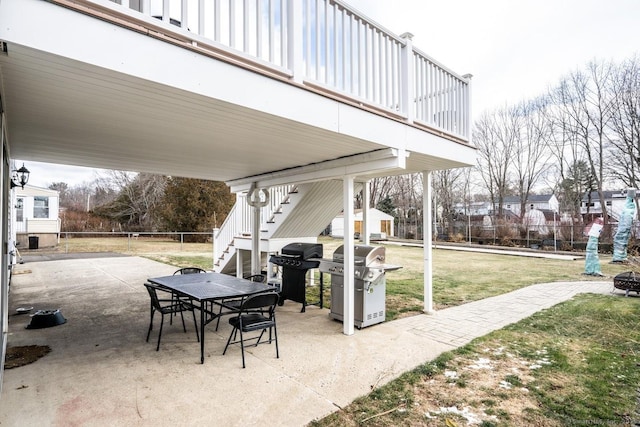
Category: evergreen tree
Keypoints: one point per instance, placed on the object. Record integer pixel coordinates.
(195, 205)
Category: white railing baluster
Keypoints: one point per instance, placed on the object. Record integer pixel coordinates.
(354, 57)
(327, 45)
(284, 18)
(376, 61)
(318, 37)
(388, 82)
(184, 14)
(232, 23)
(165, 10)
(307, 26)
(272, 30)
(246, 25)
(201, 16)
(217, 19)
(336, 46)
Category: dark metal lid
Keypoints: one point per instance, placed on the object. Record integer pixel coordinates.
(303, 250)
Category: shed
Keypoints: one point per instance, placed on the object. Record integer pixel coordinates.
(380, 224)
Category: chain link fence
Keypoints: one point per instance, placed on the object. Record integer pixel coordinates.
(135, 242)
(562, 237)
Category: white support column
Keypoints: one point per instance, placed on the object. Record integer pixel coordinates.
(349, 278)
(239, 262)
(428, 251)
(255, 240)
(257, 199)
(366, 230)
(214, 250)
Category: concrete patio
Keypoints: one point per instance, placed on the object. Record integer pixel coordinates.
(100, 370)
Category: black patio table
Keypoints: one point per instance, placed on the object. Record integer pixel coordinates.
(209, 288)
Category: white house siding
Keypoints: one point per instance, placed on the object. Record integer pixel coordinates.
(31, 222)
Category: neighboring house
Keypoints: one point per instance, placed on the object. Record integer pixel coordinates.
(474, 208)
(541, 202)
(511, 206)
(380, 224)
(35, 220)
(614, 202)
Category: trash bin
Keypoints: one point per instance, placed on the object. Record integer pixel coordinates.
(33, 242)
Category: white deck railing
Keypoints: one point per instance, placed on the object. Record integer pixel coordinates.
(324, 44)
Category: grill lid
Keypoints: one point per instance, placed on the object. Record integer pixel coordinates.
(303, 250)
(362, 254)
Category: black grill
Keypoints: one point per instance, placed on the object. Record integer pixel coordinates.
(296, 259)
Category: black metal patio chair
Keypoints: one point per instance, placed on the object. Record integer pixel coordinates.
(168, 306)
(232, 305)
(257, 313)
(189, 270)
(185, 270)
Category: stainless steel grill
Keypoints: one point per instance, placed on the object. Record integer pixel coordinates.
(370, 284)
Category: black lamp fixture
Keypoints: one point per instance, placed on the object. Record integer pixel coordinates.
(19, 177)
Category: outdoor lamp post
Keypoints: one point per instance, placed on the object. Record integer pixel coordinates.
(19, 177)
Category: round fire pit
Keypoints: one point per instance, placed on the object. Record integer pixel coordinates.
(627, 281)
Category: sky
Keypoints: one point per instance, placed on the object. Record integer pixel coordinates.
(515, 49)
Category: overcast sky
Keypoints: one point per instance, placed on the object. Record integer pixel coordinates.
(515, 49)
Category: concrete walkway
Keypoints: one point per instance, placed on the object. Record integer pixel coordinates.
(101, 372)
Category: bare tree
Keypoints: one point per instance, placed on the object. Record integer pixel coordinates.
(530, 153)
(570, 164)
(137, 203)
(584, 100)
(448, 187)
(495, 137)
(379, 189)
(625, 123)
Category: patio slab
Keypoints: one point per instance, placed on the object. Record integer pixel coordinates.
(100, 370)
